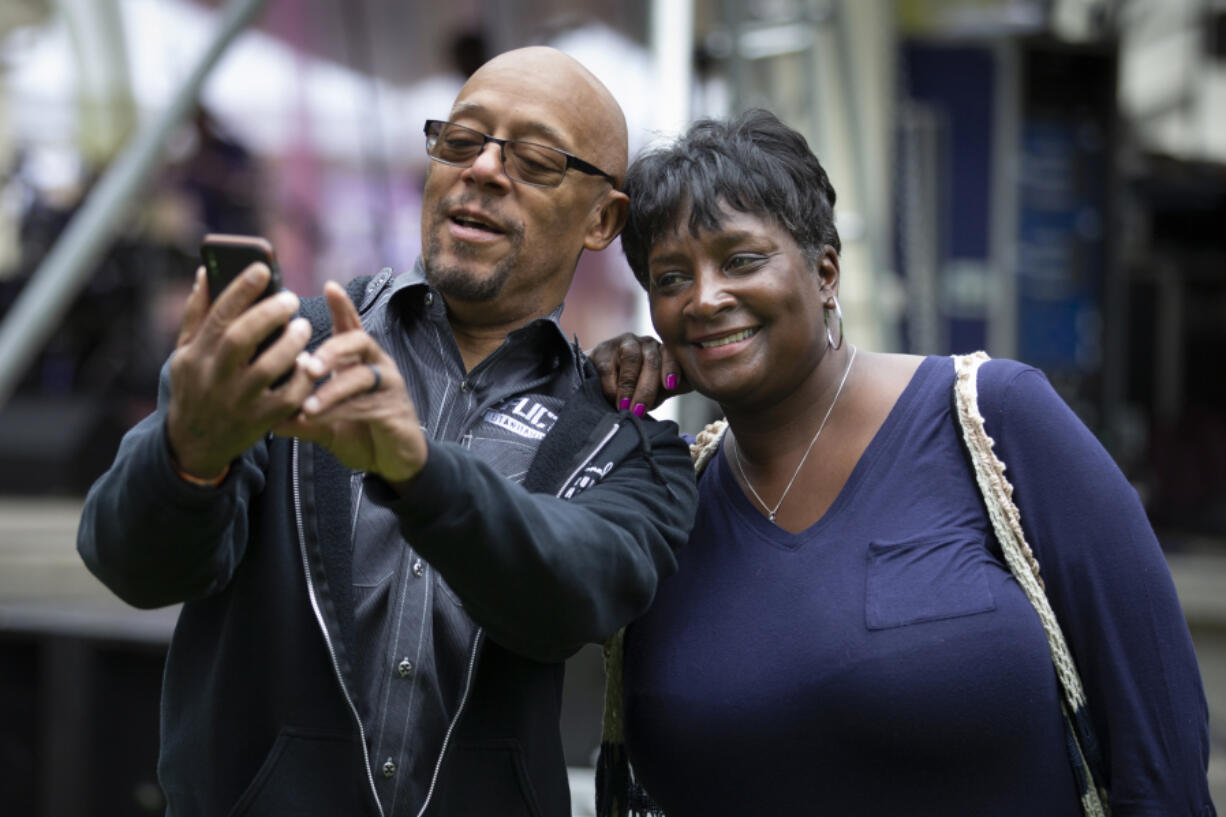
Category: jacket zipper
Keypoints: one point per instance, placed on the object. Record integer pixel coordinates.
(591, 456)
(468, 685)
(319, 619)
(472, 658)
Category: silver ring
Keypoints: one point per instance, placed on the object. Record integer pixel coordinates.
(378, 378)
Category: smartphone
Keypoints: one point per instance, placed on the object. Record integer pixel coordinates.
(226, 256)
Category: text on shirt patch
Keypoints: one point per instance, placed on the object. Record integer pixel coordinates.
(590, 476)
(523, 416)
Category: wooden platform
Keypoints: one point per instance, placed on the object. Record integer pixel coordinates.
(47, 594)
(45, 587)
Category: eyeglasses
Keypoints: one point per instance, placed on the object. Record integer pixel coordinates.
(526, 162)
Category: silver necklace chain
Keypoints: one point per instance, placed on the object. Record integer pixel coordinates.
(736, 454)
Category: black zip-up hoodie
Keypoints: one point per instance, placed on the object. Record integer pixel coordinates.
(261, 706)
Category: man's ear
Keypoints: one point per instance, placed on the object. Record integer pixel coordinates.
(608, 218)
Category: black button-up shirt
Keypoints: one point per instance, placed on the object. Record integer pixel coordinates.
(500, 411)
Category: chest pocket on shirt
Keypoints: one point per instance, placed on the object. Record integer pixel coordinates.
(929, 578)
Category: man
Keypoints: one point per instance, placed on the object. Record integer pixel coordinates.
(379, 594)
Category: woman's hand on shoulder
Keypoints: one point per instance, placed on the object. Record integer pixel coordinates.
(637, 372)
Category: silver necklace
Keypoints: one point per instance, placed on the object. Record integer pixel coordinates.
(736, 453)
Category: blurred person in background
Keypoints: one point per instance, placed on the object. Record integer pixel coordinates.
(843, 635)
(385, 561)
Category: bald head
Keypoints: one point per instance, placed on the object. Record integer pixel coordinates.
(503, 251)
(564, 96)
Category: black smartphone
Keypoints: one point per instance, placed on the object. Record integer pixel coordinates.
(225, 257)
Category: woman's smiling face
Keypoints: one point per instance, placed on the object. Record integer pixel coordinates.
(740, 306)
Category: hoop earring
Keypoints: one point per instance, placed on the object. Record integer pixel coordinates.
(838, 313)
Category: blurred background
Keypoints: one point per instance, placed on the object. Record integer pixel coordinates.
(1044, 179)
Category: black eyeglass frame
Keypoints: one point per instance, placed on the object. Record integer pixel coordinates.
(571, 159)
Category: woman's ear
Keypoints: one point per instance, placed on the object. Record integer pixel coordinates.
(828, 272)
(609, 216)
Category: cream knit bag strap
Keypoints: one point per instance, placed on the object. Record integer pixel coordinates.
(706, 444)
(1007, 523)
(616, 793)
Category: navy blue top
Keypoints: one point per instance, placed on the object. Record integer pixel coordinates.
(884, 661)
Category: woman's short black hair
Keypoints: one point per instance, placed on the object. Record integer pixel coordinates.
(754, 164)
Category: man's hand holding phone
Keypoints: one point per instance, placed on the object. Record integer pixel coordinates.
(231, 379)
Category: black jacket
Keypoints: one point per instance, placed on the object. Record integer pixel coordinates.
(261, 712)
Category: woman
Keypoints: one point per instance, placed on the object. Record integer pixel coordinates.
(842, 636)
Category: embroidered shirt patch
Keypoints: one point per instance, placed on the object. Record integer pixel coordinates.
(524, 417)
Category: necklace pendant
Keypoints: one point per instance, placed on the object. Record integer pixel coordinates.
(736, 454)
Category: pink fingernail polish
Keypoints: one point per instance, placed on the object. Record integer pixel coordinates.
(640, 409)
(625, 403)
(670, 382)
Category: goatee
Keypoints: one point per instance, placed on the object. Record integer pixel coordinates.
(472, 282)
(461, 283)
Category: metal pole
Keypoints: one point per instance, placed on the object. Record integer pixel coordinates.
(672, 50)
(46, 298)
(876, 247)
